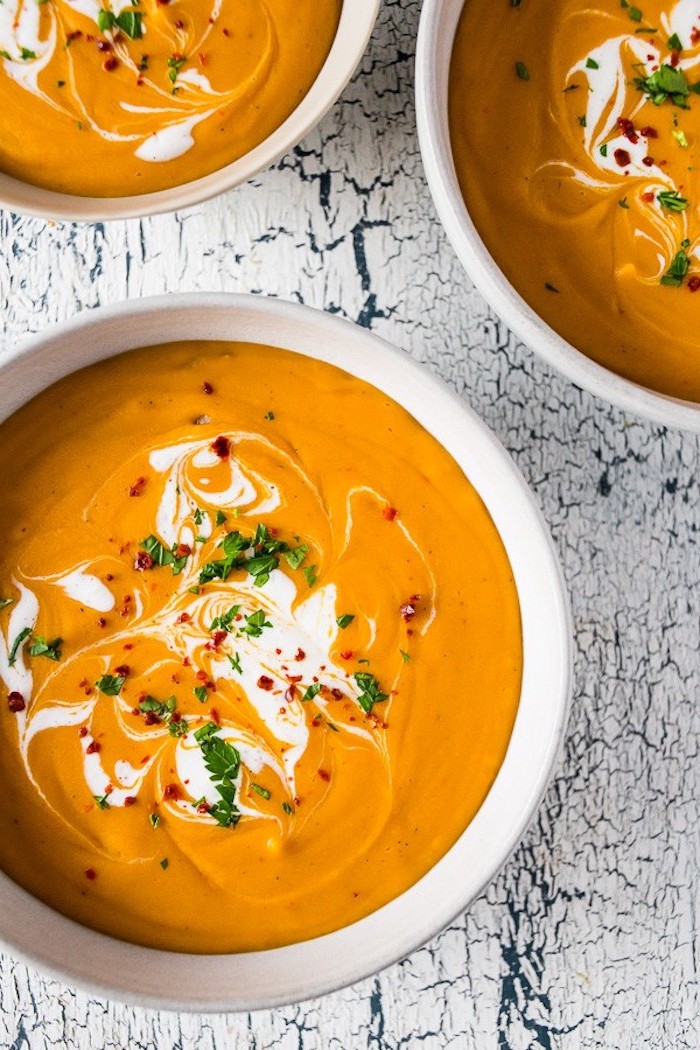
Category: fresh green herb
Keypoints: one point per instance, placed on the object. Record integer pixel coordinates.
(296, 556)
(4, 602)
(582, 121)
(194, 590)
(40, 647)
(26, 53)
(665, 83)
(313, 690)
(102, 801)
(405, 656)
(164, 863)
(226, 619)
(679, 136)
(591, 64)
(220, 517)
(200, 691)
(110, 684)
(334, 728)
(16, 645)
(345, 620)
(235, 662)
(551, 287)
(264, 558)
(310, 574)
(522, 71)
(269, 415)
(175, 64)
(287, 808)
(223, 762)
(162, 556)
(254, 624)
(165, 710)
(677, 271)
(154, 819)
(671, 200)
(199, 516)
(263, 792)
(604, 150)
(674, 43)
(370, 693)
(129, 21)
(622, 203)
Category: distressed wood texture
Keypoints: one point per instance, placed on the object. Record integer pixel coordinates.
(589, 937)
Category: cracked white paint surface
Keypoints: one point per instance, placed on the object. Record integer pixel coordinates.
(589, 937)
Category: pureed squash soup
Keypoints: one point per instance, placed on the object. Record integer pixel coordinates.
(260, 643)
(575, 131)
(107, 98)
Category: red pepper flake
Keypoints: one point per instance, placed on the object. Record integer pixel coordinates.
(101, 622)
(337, 694)
(649, 133)
(214, 715)
(171, 791)
(123, 671)
(299, 655)
(110, 64)
(203, 807)
(183, 618)
(675, 58)
(648, 162)
(346, 654)
(183, 550)
(290, 695)
(221, 446)
(93, 747)
(83, 732)
(324, 775)
(622, 157)
(90, 873)
(15, 701)
(390, 513)
(129, 800)
(207, 388)
(218, 637)
(265, 683)
(693, 283)
(143, 561)
(627, 128)
(294, 677)
(648, 197)
(137, 488)
(694, 35)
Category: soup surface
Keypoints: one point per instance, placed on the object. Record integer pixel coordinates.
(578, 160)
(260, 644)
(109, 99)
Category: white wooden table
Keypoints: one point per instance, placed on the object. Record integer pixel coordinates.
(589, 938)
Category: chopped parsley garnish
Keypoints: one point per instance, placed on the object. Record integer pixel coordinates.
(254, 624)
(110, 684)
(40, 647)
(667, 82)
(296, 556)
(200, 691)
(313, 690)
(4, 602)
(220, 517)
(522, 71)
(16, 645)
(677, 271)
(154, 819)
(345, 620)
(287, 808)
(674, 43)
(269, 415)
(672, 200)
(622, 203)
(370, 693)
(102, 801)
(199, 516)
(310, 574)
(223, 762)
(165, 710)
(129, 21)
(163, 556)
(235, 662)
(405, 656)
(591, 64)
(224, 622)
(262, 791)
(604, 150)
(164, 863)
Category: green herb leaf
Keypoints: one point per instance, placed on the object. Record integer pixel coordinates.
(102, 801)
(4, 602)
(345, 620)
(313, 690)
(110, 684)
(254, 624)
(40, 647)
(371, 693)
(24, 633)
(522, 71)
(201, 692)
(671, 200)
(263, 792)
(665, 83)
(677, 271)
(310, 574)
(223, 761)
(296, 556)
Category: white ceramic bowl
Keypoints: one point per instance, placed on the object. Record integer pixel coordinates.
(108, 967)
(438, 26)
(354, 29)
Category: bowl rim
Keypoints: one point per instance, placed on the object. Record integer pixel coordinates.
(357, 21)
(104, 966)
(436, 33)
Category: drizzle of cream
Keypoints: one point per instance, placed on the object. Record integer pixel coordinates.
(87, 589)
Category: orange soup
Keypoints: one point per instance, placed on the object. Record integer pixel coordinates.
(107, 99)
(260, 644)
(575, 128)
